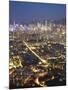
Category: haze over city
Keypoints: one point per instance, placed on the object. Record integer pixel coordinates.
(26, 12)
(37, 39)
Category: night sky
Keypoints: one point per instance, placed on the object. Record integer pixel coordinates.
(25, 12)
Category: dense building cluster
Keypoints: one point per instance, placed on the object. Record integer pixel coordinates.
(37, 54)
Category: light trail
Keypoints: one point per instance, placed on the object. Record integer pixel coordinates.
(42, 60)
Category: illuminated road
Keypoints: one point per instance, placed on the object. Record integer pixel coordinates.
(42, 60)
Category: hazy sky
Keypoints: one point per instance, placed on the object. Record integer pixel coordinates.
(26, 11)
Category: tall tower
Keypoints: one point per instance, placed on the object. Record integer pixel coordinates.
(46, 24)
(14, 26)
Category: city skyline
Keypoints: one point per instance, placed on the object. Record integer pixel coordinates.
(25, 12)
(37, 39)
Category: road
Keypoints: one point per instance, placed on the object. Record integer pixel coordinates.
(40, 59)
